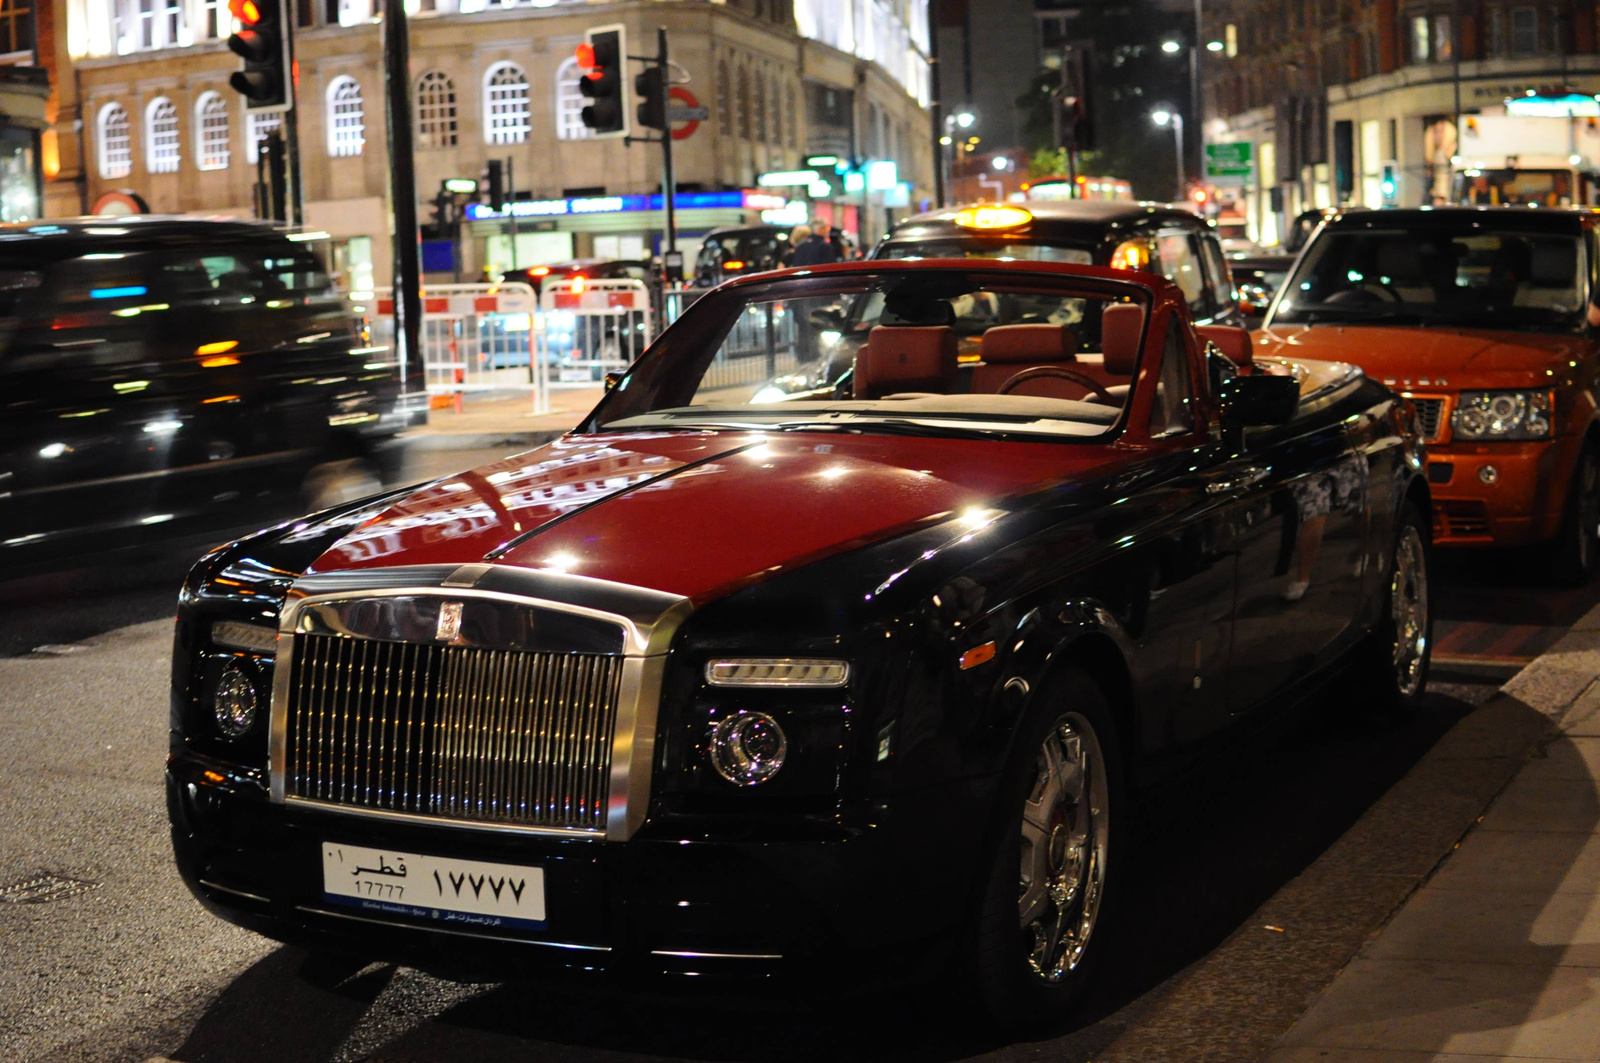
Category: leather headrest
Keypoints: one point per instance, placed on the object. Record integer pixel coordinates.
(1029, 343)
(1121, 326)
(1230, 340)
(906, 358)
(1555, 263)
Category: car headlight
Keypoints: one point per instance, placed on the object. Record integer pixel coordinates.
(748, 748)
(235, 702)
(1502, 415)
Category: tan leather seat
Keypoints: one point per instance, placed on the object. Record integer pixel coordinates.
(1121, 329)
(906, 358)
(1011, 349)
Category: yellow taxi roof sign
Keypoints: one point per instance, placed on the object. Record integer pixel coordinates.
(993, 217)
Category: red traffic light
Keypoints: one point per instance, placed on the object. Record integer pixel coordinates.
(245, 11)
(585, 54)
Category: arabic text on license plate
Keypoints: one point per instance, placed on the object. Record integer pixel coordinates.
(466, 892)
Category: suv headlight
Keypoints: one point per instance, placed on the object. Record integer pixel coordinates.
(1502, 415)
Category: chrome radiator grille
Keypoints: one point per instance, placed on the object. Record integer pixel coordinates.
(476, 735)
(1429, 414)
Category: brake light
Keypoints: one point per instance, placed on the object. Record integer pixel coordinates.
(733, 263)
(540, 271)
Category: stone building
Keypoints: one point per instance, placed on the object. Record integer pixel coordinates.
(1330, 92)
(157, 125)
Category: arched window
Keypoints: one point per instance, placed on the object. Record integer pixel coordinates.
(161, 136)
(346, 120)
(569, 103)
(256, 126)
(116, 142)
(724, 101)
(436, 110)
(211, 122)
(758, 107)
(741, 101)
(505, 105)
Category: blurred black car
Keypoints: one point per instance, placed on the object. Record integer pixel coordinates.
(1256, 278)
(733, 252)
(160, 376)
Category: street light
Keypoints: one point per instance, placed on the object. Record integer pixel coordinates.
(1166, 117)
(1172, 47)
(952, 122)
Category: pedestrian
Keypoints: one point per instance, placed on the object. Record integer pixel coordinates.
(816, 249)
(796, 236)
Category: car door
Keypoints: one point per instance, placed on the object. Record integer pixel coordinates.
(1188, 638)
(1303, 552)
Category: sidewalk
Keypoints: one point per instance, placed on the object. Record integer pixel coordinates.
(1497, 956)
(1458, 920)
(490, 418)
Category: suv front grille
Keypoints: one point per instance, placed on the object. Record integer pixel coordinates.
(1430, 415)
(500, 737)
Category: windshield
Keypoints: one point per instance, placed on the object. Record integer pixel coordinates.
(1428, 275)
(926, 352)
(977, 247)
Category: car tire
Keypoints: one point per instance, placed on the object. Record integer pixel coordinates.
(1045, 903)
(1578, 546)
(1392, 671)
(333, 483)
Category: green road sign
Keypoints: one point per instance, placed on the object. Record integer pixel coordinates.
(1230, 162)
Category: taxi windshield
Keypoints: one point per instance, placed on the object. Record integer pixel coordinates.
(929, 352)
(1473, 274)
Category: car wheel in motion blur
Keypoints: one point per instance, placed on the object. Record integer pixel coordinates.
(1578, 548)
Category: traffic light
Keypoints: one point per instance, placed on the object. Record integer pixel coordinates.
(1389, 183)
(601, 56)
(263, 43)
(494, 179)
(650, 88)
(1074, 114)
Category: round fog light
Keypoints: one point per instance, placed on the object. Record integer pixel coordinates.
(748, 748)
(1488, 473)
(235, 702)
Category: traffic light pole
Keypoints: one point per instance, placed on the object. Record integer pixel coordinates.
(291, 129)
(403, 194)
(935, 107)
(669, 183)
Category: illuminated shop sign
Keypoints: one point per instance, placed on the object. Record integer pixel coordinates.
(547, 208)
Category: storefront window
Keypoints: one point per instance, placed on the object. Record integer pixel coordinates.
(19, 184)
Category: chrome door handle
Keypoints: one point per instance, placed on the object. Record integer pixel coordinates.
(1245, 479)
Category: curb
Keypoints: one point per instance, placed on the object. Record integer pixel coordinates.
(1237, 1002)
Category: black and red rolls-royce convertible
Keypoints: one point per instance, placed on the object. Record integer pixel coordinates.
(723, 683)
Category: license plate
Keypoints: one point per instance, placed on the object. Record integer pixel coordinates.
(465, 892)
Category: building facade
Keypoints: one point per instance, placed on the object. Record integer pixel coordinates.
(1339, 97)
(160, 128)
(25, 105)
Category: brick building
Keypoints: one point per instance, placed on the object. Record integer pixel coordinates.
(1329, 91)
(154, 123)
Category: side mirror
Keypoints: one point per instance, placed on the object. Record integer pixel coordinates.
(827, 318)
(1260, 400)
(613, 378)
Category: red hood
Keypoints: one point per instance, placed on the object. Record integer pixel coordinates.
(1456, 357)
(699, 514)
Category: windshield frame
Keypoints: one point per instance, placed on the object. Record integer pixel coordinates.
(698, 325)
(1417, 315)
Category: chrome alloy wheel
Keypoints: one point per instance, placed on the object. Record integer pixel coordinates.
(1408, 610)
(1065, 825)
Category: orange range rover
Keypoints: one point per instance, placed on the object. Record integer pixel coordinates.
(1478, 315)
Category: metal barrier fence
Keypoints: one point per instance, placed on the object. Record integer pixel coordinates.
(475, 337)
(588, 328)
(761, 344)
